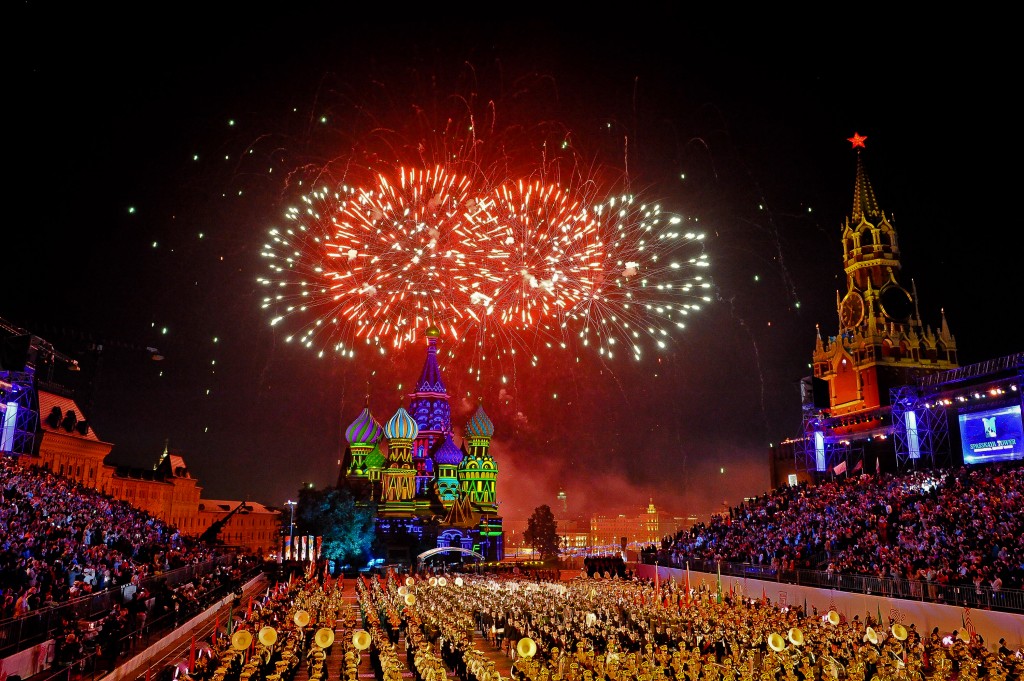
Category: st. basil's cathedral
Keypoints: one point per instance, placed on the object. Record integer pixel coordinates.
(429, 492)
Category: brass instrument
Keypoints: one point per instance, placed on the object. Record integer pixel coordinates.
(361, 639)
(241, 639)
(324, 637)
(267, 636)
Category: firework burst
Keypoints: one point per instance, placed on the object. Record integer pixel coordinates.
(509, 271)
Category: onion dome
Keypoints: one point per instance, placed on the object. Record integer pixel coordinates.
(364, 429)
(402, 426)
(448, 454)
(433, 332)
(375, 459)
(480, 425)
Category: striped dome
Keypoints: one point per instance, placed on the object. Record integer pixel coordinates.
(480, 425)
(364, 429)
(401, 426)
(448, 454)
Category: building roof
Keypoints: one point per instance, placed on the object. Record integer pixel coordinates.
(220, 506)
(48, 401)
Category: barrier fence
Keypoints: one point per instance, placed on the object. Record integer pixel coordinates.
(984, 597)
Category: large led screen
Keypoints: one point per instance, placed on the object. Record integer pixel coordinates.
(992, 435)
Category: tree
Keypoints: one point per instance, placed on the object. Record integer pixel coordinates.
(347, 528)
(542, 532)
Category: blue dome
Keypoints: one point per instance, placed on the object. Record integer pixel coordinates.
(364, 429)
(448, 454)
(401, 426)
(480, 425)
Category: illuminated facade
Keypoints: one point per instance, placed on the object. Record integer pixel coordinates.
(68, 446)
(428, 491)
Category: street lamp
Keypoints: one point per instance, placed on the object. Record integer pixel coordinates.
(291, 525)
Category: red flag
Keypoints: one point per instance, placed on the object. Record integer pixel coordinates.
(764, 595)
(192, 655)
(248, 610)
(216, 628)
(148, 673)
(859, 466)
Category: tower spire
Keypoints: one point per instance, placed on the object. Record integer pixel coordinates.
(865, 205)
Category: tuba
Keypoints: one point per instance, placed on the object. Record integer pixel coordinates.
(871, 637)
(796, 636)
(301, 618)
(324, 637)
(776, 642)
(833, 617)
(267, 636)
(361, 639)
(241, 639)
(526, 647)
(899, 632)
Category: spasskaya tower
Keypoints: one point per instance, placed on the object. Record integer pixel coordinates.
(881, 343)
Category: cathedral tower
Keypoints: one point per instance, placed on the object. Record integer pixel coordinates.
(400, 475)
(432, 412)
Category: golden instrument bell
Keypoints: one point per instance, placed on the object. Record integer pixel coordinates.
(833, 617)
(871, 637)
(899, 632)
(301, 618)
(776, 642)
(361, 639)
(324, 637)
(241, 639)
(267, 636)
(526, 647)
(441, 581)
(796, 637)
(410, 581)
(409, 599)
(458, 581)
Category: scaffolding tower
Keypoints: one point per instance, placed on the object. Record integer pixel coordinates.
(920, 431)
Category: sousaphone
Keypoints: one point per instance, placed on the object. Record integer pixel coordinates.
(361, 639)
(241, 639)
(776, 642)
(833, 617)
(796, 637)
(267, 636)
(301, 619)
(410, 599)
(324, 637)
(871, 637)
(899, 632)
(526, 647)
(458, 581)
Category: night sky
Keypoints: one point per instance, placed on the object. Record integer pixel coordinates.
(152, 154)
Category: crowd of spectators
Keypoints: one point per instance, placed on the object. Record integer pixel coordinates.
(958, 526)
(60, 540)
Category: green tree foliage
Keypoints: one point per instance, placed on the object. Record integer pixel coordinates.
(347, 528)
(542, 532)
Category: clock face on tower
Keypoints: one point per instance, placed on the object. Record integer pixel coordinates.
(897, 305)
(851, 311)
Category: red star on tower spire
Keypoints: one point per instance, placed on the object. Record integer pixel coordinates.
(857, 140)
